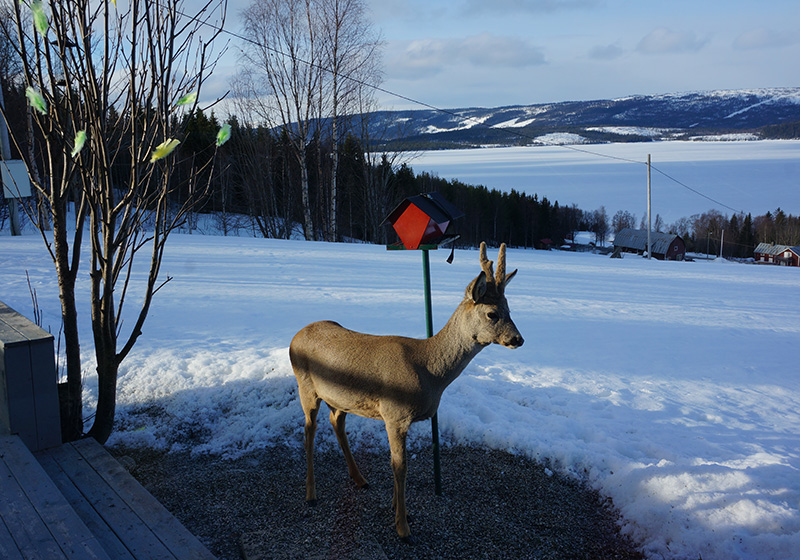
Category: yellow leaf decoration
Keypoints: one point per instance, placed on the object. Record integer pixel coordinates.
(39, 17)
(80, 140)
(164, 149)
(224, 134)
(36, 100)
(187, 99)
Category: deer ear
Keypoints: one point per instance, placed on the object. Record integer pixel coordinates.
(508, 278)
(477, 289)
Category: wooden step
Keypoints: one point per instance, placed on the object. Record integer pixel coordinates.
(77, 501)
(37, 520)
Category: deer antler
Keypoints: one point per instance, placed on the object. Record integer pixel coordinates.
(500, 277)
(486, 264)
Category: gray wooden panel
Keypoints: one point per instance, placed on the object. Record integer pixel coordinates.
(45, 391)
(29, 532)
(5, 418)
(119, 517)
(18, 381)
(72, 537)
(99, 528)
(26, 330)
(28, 385)
(169, 530)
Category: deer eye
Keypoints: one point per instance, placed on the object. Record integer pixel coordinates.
(493, 317)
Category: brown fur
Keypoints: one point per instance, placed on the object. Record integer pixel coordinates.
(395, 379)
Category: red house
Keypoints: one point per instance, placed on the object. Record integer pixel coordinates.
(784, 255)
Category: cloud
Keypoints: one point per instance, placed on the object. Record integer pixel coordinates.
(509, 52)
(762, 38)
(426, 57)
(667, 41)
(605, 52)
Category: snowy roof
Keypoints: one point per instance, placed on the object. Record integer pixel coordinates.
(637, 239)
(771, 249)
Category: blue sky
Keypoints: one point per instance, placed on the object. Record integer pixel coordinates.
(466, 53)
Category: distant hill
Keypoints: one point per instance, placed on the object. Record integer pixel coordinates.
(729, 114)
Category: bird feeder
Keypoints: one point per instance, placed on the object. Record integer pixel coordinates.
(422, 222)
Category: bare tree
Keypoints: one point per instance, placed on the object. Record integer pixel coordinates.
(109, 83)
(600, 225)
(283, 72)
(352, 59)
(621, 220)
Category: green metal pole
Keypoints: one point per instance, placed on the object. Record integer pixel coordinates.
(437, 466)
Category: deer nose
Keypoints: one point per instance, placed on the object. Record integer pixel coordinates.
(515, 341)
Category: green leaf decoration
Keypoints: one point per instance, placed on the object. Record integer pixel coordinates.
(224, 134)
(187, 99)
(80, 140)
(36, 100)
(164, 149)
(39, 17)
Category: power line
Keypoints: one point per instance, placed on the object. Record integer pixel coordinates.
(452, 113)
(684, 185)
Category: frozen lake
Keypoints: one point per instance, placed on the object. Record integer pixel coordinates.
(753, 177)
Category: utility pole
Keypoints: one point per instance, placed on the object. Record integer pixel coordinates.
(13, 210)
(721, 243)
(649, 251)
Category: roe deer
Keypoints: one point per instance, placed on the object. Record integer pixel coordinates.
(396, 379)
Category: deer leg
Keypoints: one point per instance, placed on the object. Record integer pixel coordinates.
(397, 444)
(338, 419)
(310, 409)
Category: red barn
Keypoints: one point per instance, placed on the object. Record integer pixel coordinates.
(665, 246)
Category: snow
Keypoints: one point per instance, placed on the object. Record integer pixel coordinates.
(732, 137)
(671, 387)
(632, 130)
(560, 138)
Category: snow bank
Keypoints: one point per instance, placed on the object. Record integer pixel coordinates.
(670, 387)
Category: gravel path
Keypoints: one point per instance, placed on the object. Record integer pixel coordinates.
(495, 505)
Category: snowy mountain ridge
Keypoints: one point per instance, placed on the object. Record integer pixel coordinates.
(670, 116)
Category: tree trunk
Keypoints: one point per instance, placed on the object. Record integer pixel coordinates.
(334, 170)
(72, 413)
(308, 222)
(106, 400)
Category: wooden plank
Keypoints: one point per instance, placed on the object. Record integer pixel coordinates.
(169, 530)
(8, 548)
(120, 518)
(95, 523)
(71, 536)
(29, 532)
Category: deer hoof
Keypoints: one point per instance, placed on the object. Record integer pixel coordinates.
(311, 503)
(409, 540)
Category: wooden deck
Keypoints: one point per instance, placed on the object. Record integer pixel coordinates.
(76, 501)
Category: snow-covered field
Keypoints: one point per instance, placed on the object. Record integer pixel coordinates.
(752, 177)
(671, 387)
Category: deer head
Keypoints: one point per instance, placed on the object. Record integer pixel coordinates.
(490, 318)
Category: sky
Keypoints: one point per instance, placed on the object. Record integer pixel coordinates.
(476, 53)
